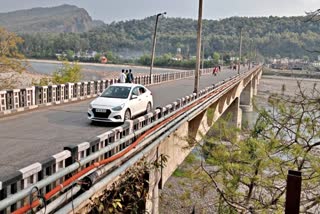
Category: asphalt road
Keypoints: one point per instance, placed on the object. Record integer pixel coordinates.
(33, 136)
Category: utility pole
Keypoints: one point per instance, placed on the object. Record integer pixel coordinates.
(202, 54)
(240, 50)
(197, 71)
(293, 192)
(154, 44)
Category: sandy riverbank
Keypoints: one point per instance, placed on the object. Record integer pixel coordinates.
(273, 84)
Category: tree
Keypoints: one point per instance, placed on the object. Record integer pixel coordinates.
(250, 174)
(67, 73)
(111, 57)
(70, 54)
(313, 16)
(227, 59)
(216, 58)
(11, 61)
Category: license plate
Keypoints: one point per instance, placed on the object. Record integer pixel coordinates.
(101, 110)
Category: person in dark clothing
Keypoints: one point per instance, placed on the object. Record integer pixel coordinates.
(130, 76)
(127, 76)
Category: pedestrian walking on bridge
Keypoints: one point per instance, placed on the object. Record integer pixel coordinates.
(122, 77)
(127, 76)
(130, 77)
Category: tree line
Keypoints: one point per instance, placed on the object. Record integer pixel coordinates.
(267, 36)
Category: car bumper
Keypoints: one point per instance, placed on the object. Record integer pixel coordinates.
(114, 117)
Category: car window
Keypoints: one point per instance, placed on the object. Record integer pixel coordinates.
(135, 91)
(141, 90)
(120, 92)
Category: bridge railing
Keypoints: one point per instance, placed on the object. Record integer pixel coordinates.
(30, 175)
(16, 100)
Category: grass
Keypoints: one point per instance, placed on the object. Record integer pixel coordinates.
(179, 173)
(190, 158)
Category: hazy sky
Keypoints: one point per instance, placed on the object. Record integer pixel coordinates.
(116, 10)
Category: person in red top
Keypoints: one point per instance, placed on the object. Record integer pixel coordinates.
(215, 70)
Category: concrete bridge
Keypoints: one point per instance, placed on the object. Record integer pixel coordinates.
(185, 117)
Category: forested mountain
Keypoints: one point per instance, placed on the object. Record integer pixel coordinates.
(64, 18)
(268, 36)
(286, 36)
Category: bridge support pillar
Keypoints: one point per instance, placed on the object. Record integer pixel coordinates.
(246, 97)
(236, 113)
(255, 85)
(152, 201)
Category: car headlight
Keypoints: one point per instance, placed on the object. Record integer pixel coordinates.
(118, 108)
(90, 107)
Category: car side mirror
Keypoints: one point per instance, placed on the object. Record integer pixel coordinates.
(99, 94)
(134, 97)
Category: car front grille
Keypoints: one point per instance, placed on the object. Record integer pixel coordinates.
(101, 114)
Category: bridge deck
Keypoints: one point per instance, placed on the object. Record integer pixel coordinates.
(34, 136)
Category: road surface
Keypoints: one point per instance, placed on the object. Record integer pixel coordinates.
(34, 136)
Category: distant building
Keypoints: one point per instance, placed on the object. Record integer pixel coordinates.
(233, 58)
(289, 64)
(86, 54)
(178, 56)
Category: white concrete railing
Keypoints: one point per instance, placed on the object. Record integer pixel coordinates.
(17, 100)
(33, 173)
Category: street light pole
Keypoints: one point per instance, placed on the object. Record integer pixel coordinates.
(196, 75)
(154, 44)
(240, 50)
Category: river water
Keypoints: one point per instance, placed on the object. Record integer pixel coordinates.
(48, 68)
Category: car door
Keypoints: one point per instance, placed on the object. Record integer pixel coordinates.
(143, 99)
(134, 103)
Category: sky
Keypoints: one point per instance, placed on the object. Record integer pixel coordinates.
(121, 10)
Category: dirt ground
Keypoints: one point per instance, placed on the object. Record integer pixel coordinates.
(270, 84)
(178, 195)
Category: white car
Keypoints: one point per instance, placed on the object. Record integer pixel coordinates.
(120, 102)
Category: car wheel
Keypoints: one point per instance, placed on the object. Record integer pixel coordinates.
(127, 115)
(149, 107)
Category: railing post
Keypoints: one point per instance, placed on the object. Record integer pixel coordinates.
(53, 93)
(3, 100)
(74, 154)
(62, 92)
(97, 87)
(85, 89)
(102, 86)
(70, 90)
(78, 90)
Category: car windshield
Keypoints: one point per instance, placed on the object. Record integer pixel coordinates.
(120, 92)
